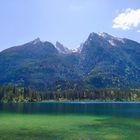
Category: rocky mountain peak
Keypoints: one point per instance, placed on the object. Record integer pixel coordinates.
(112, 41)
(36, 41)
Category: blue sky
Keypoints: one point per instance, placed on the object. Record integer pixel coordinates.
(67, 21)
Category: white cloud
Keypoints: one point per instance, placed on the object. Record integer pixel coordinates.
(138, 31)
(128, 19)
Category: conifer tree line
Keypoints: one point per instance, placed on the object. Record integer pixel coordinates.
(12, 93)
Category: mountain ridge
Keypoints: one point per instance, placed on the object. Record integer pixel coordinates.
(71, 50)
(102, 61)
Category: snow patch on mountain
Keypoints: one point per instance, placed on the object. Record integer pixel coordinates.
(111, 39)
(112, 43)
(62, 49)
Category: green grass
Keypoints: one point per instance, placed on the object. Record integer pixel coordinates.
(67, 127)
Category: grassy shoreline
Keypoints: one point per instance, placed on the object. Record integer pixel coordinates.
(74, 101)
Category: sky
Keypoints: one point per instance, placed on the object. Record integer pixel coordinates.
(67, 21)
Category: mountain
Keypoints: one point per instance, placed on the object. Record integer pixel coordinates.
(61, 48)
(35, 64)
(109, 61)
(102, 61)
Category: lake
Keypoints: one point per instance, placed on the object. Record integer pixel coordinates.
(70, 120)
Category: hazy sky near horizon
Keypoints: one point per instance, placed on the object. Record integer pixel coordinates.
(67, 21)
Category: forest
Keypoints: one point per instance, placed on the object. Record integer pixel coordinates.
(11, 93)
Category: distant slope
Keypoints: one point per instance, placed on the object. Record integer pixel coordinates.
(110, 61)
(35, 64)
